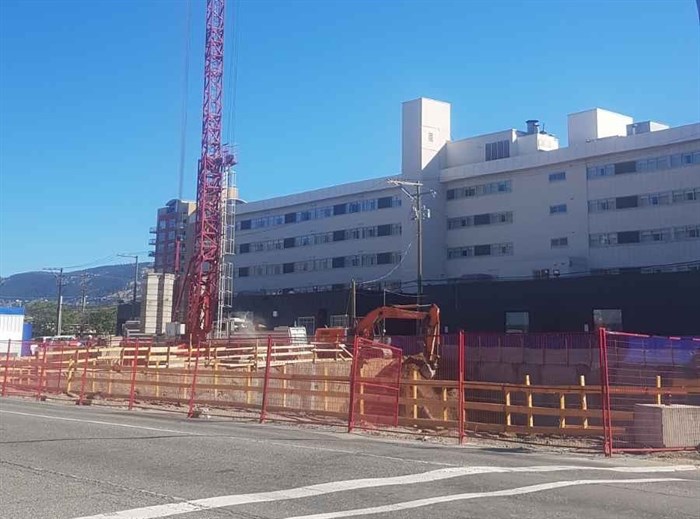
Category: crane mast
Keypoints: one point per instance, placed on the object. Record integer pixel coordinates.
(204, 268)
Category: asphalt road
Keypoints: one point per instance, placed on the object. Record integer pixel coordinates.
(59, 461)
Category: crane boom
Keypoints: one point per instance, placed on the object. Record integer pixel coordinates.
(204, 265)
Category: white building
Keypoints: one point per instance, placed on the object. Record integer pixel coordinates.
(511, 204)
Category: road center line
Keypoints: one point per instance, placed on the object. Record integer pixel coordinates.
(171, 509)
(407, 505)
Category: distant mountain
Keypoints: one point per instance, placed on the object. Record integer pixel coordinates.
(108, 283)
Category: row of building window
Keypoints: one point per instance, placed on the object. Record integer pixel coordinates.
(646, 200)
(558, 176)
(359, 206)
(316, 265)
(480, 219)
(609, 239)
(357, 233)
(663, 162)
(490, 249)
(492, 188)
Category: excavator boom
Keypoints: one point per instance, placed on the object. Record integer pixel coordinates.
(430, 319)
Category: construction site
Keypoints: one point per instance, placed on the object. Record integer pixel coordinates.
(592, 385)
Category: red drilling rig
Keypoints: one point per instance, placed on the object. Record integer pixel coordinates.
(202, 279)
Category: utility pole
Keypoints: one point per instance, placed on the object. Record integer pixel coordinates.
(353, 304)
(420, 213)
(83, 301)
(58, 272)
(136, 279)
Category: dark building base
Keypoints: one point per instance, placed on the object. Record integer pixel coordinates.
(660, 304)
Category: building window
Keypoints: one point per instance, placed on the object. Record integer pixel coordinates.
(493, 249)
(492, 188)
(243, 272)
(497, 150)
(557, 209)
(557, 243)
(340, 320)
(309, 323)
(517, 322)
(659, 163)
(558, 176)
(610, 319)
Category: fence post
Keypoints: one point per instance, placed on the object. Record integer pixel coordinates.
(7, 367)
(398, 391)
(414, 395)
(605, 391)
(562, 410)
(584, 400)
(528, 393)
(325, 387)
(508, 417)
(284, 385)
(266, 383)
(83, 377)
(60, 367)
(658, 389)
(193, 386)
(132, 388)
(353, 375)
(41, 372)
(460, 387)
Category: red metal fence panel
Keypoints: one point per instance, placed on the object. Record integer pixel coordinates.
(375, 385)
(647, 383)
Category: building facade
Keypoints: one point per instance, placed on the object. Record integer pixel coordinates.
(510, 205)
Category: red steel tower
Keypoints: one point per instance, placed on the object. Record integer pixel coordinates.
(203, 270)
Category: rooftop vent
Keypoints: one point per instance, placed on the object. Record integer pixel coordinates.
(533, 126)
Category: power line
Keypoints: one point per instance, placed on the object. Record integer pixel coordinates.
(185, 95)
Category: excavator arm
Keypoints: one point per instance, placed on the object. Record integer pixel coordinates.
(430, 319)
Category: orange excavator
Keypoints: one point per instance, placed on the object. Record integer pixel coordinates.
(428, 315)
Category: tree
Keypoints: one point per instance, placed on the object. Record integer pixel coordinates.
(101, 320)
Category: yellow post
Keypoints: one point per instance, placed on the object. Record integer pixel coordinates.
(94, 374)
(562, 410)
(508, 422)
(414, 394)
(216, 376)
(69, 375)
(284, 385)
(157, 382)
(530, 418)
(658, 389)
(167, 357)
(362, 398)
(444, 404)
(584, 400)
(325, 388)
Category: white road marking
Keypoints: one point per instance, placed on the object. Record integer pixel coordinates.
(170, 509)
(407, 505)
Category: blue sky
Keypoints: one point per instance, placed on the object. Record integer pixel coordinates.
(91, 94)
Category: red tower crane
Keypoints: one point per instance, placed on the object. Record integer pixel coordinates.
(203, 270)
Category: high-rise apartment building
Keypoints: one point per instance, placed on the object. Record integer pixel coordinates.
(170, 242)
